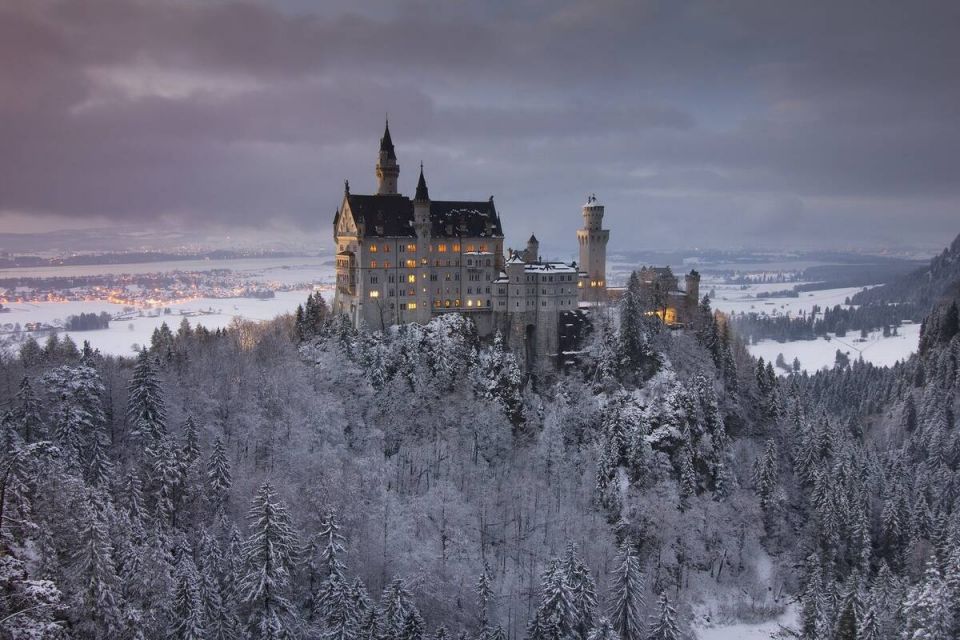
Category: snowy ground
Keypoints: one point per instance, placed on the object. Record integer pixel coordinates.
(820, 353)
(813, 354)
(763, 630)
(735, 299)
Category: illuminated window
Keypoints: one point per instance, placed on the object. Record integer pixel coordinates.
(580, 285)
(411, 264)
(374, 294)
(373, 264)
(469, 303)
(373, 248)
(386, 264)
(424, 261)
(437, 303)
(412, 248)
(446, 303)
(471, 248)
(386, 248)
(483, 248)
(412, 277)
(456, 247)
(411, 305)
(441, 248)
(456, 302)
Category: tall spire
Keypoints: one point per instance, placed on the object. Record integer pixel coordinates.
(386, 143)
(422, 193)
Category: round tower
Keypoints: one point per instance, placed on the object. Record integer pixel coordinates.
(593, 252)
(388, 171)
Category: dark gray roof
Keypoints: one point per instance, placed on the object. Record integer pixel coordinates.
(386, 142)
(392, 215)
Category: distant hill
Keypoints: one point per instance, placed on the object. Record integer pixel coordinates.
(923, 287)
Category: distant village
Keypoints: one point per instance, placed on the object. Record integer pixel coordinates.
(141, 294)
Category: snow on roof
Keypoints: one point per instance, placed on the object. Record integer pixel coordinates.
(557, 267)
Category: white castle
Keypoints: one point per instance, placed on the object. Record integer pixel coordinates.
(401, 261)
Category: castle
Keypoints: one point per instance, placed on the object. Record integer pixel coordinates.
(402, 260)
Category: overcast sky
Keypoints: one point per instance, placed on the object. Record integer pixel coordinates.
(711, 124)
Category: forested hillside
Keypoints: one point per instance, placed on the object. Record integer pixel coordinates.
(298, 479)
(924, 286)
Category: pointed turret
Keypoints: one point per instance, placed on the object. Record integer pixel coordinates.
(386, 143)
(422, 194)
(387, 168)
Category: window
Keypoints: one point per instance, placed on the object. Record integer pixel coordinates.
(403, 306)
(373, 248)
(469, 289)
(456, 302)
(433, 277)
(446, 277)
(374, 294)
(392, 293)
(469, 303)
(386, 248)
(412, 248)
(411, 264)
(412, 277)
(424, 261)
(374, 279)
(471, 248)
(373, 264)
(456, 247)
(446, 303)
(483, 248)
(386, 264)
(391, 278)
(411, 305)
(437, 303)
(442, 248)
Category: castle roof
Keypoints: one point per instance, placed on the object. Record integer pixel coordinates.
(392, 215)
(386, 143)
(422, 193)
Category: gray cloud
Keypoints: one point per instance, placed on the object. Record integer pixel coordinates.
(703, 123)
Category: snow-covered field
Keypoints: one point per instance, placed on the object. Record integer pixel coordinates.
(820, 353)
(736, 299)
(763, 630)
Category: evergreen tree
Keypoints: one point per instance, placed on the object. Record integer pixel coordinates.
(219, 480)
(101, 605)
(627, 596)
(663, 626)
(188, 612)
(603, 631)
(268, 559)
(146, 410)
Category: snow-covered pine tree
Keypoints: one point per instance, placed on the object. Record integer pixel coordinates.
(100, 606)
(583, 589)
(145, 408)
(219, 479)
(627, 595)
(484, 591)
(268, 559)
(663, 625)
(189, 621)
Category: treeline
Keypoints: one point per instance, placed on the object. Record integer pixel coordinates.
(88, 322)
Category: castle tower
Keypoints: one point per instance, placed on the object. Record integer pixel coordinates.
(593, 252)
(422, 226)
(532, 253)
(692, 282)
(387, 168)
